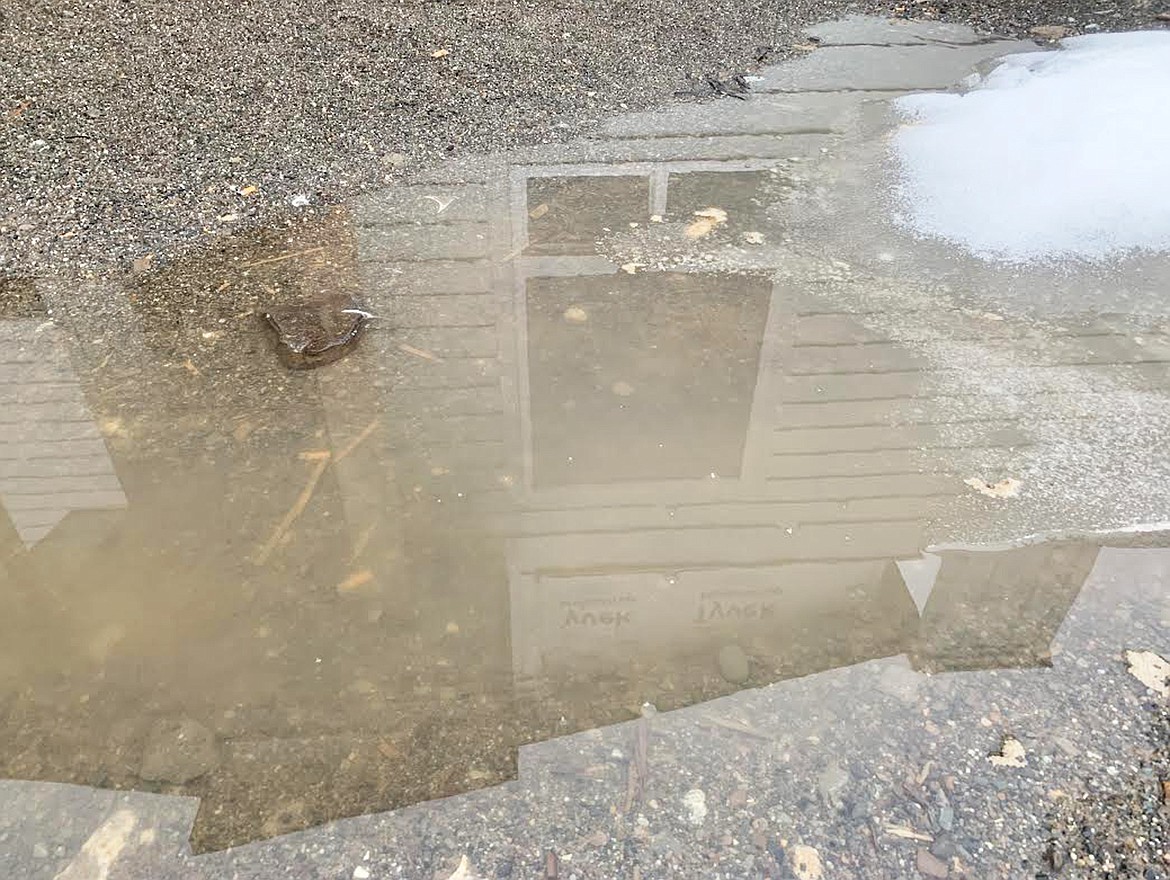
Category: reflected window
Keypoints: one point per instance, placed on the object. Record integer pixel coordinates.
(642, 377)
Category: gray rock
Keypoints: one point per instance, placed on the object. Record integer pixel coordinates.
(734, 664)
(944, 846)
(832, 782)
(179, 751)
(900, 682)
(946, 818)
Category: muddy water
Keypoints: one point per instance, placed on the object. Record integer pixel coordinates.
(541, 491)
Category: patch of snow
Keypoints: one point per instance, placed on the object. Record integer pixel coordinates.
(1054, 155)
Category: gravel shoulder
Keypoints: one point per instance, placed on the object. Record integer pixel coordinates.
(132, 129)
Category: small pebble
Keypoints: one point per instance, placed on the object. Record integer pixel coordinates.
(734, 664)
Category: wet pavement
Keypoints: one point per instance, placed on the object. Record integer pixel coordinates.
(668, 512)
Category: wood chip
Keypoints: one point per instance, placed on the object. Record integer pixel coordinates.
(1049, 31)
(419, 352)
(907, 833)
(1008, 487)
(806, 862)
(1011, 754)
(1150, 669)
(708, 219)
(575, 315)
(355, 581)
(463, 871)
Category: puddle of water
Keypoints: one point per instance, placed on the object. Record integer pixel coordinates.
(642, 377)
(537, 494)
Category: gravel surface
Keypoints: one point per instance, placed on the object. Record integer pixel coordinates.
(131, 127)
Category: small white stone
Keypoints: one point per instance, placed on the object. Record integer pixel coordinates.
(360, 873)
(695, 801)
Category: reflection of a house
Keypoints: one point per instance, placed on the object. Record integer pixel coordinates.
(709, 457)
(691, 459)
(53, 460)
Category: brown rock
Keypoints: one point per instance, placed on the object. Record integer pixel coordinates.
(760, 832)
(930, 865)
(1049, 32)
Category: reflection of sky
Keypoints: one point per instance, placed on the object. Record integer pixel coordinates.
(52, 458)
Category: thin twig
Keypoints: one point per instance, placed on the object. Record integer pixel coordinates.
(738, 727)
(322, 459)
(420, 352)
(359, 546)
(358, 440)
(293, 512)
(638, 769)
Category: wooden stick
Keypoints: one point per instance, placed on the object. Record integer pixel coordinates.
(358, 440)
(293, 512)
(419, 352)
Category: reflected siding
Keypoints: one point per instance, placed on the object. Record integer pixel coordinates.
(53, 459)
